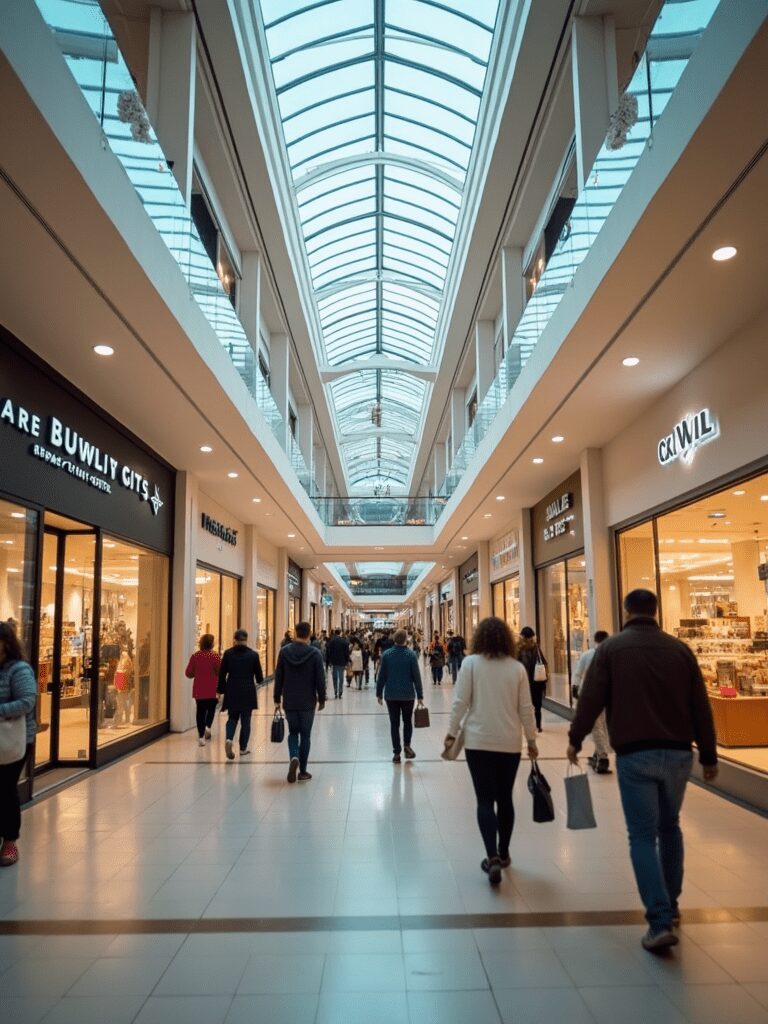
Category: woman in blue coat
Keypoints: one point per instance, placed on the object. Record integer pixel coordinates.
(18, 695)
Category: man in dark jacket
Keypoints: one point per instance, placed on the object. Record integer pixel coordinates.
(656, 705)
(399, 680)
(239, 675)
(336, 657)
(300, 684)
(456, 648)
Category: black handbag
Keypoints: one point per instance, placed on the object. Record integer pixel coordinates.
(277, 734)
(421, 717)
(538, 787)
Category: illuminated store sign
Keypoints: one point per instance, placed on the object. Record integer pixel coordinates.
(689, 434)
(213, 526)
(558, 516)
(62, 447)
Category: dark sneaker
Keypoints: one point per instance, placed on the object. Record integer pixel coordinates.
(304, 776)
(505, 861)
(229, 751)
(494, 870)
(656, 941)
(676, 917)
(603, 766)
(409, 752)
(396, 759)
(293, 768)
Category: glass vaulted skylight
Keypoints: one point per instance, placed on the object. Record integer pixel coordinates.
(379, 101)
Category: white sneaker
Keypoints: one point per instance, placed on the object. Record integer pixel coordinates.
(229, 751)
(207, 734)
(654, 941)
(201, 742)
(244, 753)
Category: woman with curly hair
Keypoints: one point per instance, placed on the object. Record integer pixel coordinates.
(18, 696)
(493, 707)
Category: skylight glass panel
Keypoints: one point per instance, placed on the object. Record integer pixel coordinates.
(379, 100)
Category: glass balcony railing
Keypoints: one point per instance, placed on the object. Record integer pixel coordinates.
(674, 38)
(92, 55)
(379, 511)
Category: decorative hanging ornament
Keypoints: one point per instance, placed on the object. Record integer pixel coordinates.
(130, 111)
(623, 120)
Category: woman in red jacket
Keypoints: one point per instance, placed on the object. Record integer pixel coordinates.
(203, 667)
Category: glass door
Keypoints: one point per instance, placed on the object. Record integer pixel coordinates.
(66, 645)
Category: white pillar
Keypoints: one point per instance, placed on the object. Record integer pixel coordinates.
(279, 369)
(250, 298)
(484, 579)
(248, 604)
(595, 87)
(597, 547)
(439, 465)
(512, 306)
(171, 89)
(305, 416)
(183, 619)
(484, 357)
(281, 598)
(527, 571)
(458, 420)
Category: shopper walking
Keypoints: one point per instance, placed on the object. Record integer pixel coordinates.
(651, 686)
(492, 705)
(456, 649)
(239, 675)
(530, 654)
(600, 760)
(437, 659)
(356, 663)
(300, 686)
(399, 683)
(336, 658)
(18, 695)
(203, 668)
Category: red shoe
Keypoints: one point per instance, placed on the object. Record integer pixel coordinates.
(9, 854)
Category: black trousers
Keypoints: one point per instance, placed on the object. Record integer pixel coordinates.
(493, 776)
(397, 708)
(206, 712)
(537, 696)
(10, 808)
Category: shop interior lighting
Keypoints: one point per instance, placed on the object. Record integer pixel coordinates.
(558, 439)
(17, 515)
(501, 497)
(537, 461)
(465, 538)
(291, 536)
(232, 475)
(630, 361)
(487, 515)
(725, 252)
(257, 501)
(764, 497)
(103, 350)
(206, 449)
(738, 494)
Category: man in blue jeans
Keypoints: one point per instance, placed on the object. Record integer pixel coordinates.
(656, 704)
(336, 657)
(299, 685)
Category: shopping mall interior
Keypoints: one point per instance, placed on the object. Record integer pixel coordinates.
(375, 314)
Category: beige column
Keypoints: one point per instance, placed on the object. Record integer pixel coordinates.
(484, 579)
(183, 603)
(248, 603)
(597, 548)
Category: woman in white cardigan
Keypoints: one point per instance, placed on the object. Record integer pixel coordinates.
(493, 708)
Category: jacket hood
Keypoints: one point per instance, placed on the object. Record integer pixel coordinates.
(298, 654)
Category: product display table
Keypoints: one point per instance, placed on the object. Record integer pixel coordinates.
(740, 721)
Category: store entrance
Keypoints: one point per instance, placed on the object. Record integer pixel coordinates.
(66, 643)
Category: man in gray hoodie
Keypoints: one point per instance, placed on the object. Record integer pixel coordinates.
(300, 686)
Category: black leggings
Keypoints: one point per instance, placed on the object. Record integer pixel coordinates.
(206, 711)
(493, 776)
(10, 809)
(537, 696)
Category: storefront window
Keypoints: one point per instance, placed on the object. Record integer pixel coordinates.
(18, 530)
(265, 615)
(578, 611)
(471, 615)
(553, 628)
(713, 560)
(506, 602)
(133, 640)
(637, 559)
(217, 605)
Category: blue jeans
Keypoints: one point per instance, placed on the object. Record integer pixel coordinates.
(454, 664)
(339, 672)
(299, 732)
(244, 717)
(652, 786)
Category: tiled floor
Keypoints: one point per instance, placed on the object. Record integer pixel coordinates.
(187, 888)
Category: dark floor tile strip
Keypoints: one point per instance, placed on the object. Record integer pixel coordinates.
(421, 922)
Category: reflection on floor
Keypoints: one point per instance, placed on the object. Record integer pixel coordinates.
(753, 757)
(194, 889)
(73, 735)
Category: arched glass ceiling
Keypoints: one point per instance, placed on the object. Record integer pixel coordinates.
(379, 102)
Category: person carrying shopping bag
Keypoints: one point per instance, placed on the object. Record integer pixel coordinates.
(492, 706)
(399, 682)
(536, 667)
(239, 675)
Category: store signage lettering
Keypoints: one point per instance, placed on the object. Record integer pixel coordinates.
(505, 551)
(686, 436)
(294, 582)
(66, 449)
(470, 577)
(225, 533)
(558, 522)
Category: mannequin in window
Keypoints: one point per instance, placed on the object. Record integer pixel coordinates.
(123, 687)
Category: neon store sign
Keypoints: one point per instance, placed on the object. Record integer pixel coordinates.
(686, 437)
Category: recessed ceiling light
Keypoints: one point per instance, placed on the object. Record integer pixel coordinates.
(558, 439)
(630, 361)
(108, 544)
(738, 494)
(232, 475)
(537, 461)
(487, 515)
(764, 497)
(501, 497)
(725, 252)
(206, 449)
(103, 350)
(257, 501)
(291, 535)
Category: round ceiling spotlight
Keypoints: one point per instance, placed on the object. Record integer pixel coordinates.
(558, 439)
(233, 475)
(206, 449)
(724, 253)
(537, 461)
(103, 350)
(630, 361)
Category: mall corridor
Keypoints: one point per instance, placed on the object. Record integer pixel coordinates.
(175, 886)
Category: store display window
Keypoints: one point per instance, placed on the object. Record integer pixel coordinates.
(471, 615)
(18, 538)
(265, 615)
(563, 627)
(217, 605)
(712, 567)
(506, 602)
